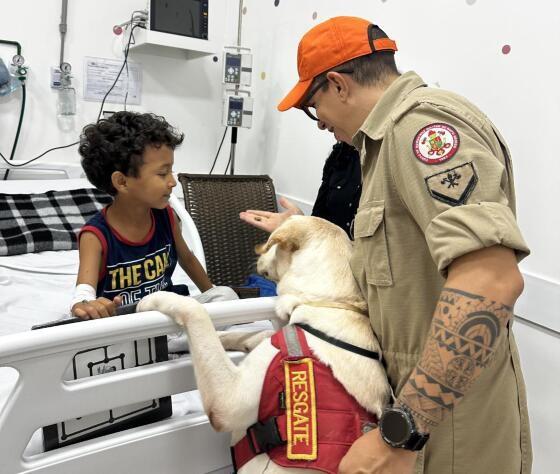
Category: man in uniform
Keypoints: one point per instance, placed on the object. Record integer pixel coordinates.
(436, 253)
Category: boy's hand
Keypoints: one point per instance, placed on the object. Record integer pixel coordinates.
(95, 309)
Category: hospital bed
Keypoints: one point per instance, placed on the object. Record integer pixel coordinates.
(36, 288)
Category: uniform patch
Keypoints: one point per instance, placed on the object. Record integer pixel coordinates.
(453, 186)
(301, 409)
(435, 143)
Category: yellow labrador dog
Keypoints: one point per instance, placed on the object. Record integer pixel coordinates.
(309, 259)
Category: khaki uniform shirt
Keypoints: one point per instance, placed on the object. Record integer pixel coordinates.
(438, 184)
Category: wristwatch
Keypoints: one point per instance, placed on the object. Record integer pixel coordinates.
(397, 428)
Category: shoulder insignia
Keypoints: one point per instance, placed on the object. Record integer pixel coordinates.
(435, 143)
(453, 186)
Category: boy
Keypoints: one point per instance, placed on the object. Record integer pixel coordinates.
(130, 248)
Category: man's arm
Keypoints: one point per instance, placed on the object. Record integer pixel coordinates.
(469, 322)
(473, 310)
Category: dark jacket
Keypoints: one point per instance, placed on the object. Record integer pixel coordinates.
(339, 194)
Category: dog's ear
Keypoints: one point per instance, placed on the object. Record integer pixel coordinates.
(261, 248)
(285, 240)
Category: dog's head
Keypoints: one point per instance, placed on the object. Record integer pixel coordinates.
(309, 258)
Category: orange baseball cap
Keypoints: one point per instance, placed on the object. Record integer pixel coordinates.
(330, 44)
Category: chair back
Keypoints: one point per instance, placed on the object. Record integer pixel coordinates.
(214, 203)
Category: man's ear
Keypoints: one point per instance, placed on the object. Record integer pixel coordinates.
(340, 83)
(118, 180)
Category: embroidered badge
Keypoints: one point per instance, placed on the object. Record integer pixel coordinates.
(435, 143)
(453, 186)
(301, 409)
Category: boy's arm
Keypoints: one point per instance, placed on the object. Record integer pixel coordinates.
(90, 263)
(188, 260)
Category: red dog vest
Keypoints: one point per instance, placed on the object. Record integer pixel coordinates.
(306, 417)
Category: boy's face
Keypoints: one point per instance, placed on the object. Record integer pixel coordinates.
(155, 180)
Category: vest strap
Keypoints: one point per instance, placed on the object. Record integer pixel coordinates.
(264, 436)
(337, 342)
(291, 343)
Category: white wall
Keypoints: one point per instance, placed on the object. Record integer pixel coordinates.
(186, 91)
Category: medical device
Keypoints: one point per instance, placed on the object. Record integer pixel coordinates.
(180, 17)
(238, 66)
(237, 71)
(13, 76)
(238, 110)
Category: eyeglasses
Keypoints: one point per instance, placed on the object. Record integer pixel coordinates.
(314, 90)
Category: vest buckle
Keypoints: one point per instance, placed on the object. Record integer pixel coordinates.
(263, 436)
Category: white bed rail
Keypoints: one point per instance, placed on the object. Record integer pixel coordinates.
(40, 398)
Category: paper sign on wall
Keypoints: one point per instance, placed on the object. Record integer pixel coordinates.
(100, 74)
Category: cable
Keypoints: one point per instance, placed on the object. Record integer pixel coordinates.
(227, 166)
(37, 157)
(141, 20)
(121, 70)
(16, 139)
(22, 110)
(218, 152)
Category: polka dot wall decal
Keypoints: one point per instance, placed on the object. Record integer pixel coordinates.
(314, 16)
(276, 3)
(471, 2)
(263, 75)
(244, 10)
(506, 48)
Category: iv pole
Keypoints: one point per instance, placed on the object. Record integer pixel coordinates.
(234, 129)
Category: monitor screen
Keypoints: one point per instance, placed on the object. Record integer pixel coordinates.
(180, 17)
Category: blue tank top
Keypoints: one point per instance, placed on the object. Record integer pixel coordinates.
(135, 269)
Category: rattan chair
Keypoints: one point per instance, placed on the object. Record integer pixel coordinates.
(214, 203)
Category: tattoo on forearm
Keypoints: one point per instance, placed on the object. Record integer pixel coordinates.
(463, 338)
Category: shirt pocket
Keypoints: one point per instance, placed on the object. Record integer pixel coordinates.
(369, 232)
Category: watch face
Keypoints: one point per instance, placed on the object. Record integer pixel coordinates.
(395, 427)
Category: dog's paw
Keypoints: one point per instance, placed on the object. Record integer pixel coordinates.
(169, 303)
(285, 305)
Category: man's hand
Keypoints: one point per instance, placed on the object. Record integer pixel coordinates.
(270, 221)
(95, 309)
(371, 455)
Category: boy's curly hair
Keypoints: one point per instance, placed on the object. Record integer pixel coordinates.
(118, 143)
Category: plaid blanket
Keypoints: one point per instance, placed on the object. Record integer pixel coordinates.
(50, 221)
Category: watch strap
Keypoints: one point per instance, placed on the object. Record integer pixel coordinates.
(416, 441)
